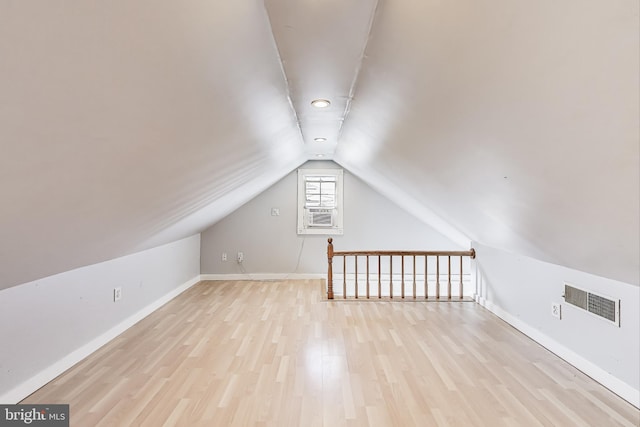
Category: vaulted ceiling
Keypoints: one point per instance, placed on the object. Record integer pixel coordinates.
(125, 125)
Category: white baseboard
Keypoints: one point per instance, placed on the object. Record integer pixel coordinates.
(617, 386)
(263, 276)
(23, 390)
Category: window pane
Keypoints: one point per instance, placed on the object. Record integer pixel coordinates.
(328, 201)
(328, 188)
(313, 187)
(313, 198)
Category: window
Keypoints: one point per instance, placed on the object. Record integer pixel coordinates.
(320, 201)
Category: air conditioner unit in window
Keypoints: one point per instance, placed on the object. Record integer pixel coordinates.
(320, 217)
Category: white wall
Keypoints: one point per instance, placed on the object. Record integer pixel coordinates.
(49, 324)
(521, 289)
(271, 244)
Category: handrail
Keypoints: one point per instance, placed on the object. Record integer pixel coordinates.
(471, 253)
(331, 253)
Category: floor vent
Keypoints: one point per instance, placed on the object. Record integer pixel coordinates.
(603, 307)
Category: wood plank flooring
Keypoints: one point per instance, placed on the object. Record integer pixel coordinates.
(277, 354)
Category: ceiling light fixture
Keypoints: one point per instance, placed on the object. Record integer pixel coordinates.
(320, 103)
(319, 156)
(320, 139)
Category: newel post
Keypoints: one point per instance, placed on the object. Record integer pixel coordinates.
(330, 269)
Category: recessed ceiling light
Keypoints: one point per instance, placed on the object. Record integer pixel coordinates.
(321, 103)
(319, 156)
(320, 139)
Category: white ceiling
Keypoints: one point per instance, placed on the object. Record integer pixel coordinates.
(124, 125)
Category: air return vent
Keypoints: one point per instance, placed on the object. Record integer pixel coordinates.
(603, 307)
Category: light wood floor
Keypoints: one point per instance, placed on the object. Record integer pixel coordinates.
(276, 354)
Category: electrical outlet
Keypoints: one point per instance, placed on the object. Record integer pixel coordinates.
(224, 256)
(556, 310)
(117, 294)
(240, 257)
(275, 212)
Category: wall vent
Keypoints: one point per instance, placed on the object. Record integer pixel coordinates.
(601, 306)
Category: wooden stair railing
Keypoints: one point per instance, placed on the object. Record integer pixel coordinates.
(402, 254)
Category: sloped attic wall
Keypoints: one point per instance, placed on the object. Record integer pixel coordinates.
(517, 121)
(122, 120)
(271, 244)
(126, 125)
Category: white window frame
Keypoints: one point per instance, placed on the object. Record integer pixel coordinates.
(303, 226)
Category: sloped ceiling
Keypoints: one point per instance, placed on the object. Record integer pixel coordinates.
(124, 125)
(120, 121)
(518, 122)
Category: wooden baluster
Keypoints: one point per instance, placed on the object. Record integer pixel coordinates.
(367, 276)
(379, 277)
(330, 269)
(356, 289)
(414, 277)
(344, 276)
(460, 276)
(426, 277)
(437, 276)
(402, 271)
(449, 277)
(390, 276)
